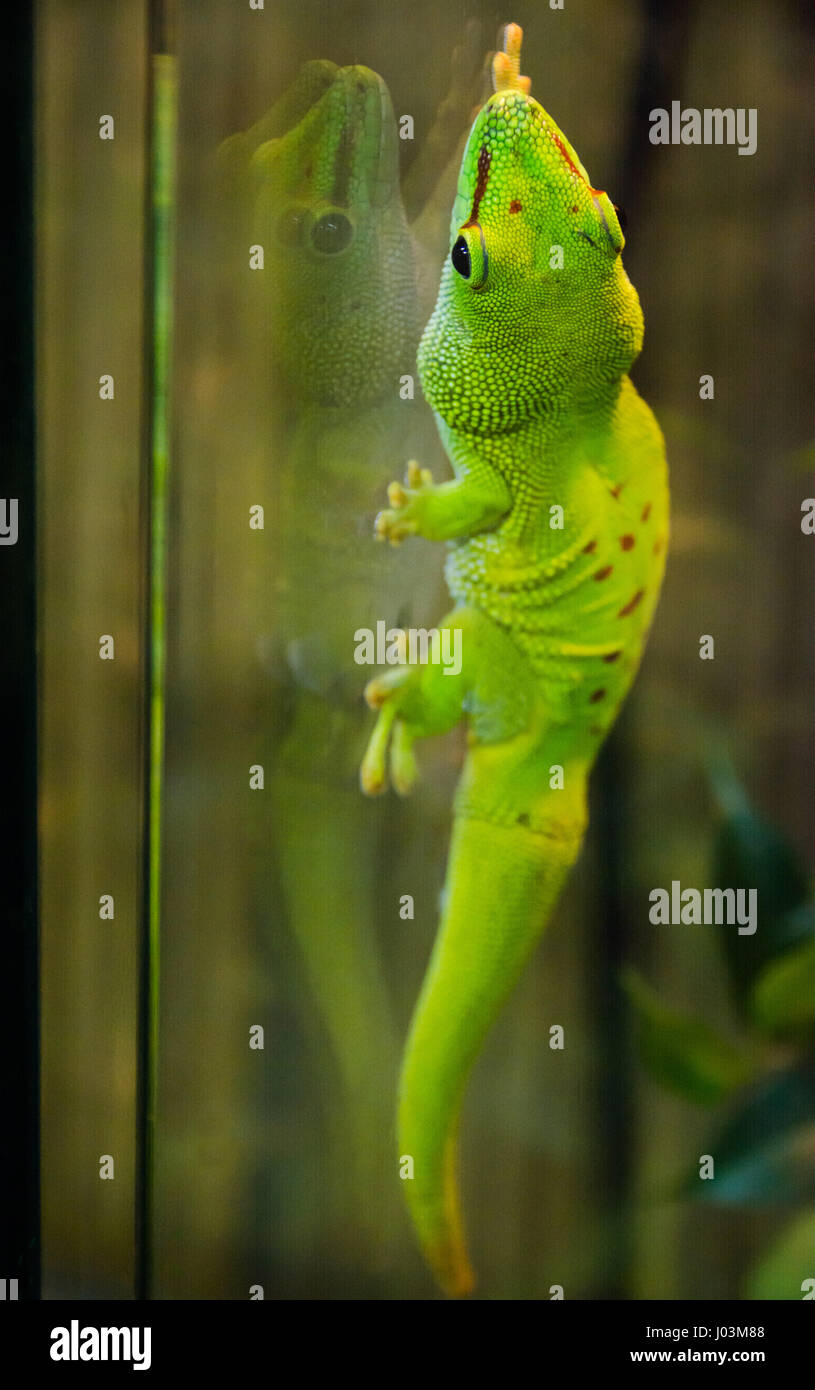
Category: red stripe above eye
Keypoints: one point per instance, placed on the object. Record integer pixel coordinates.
(484, 159)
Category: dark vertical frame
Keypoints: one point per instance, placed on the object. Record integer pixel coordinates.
(145, 1073)
(19, 930)
(154, 503)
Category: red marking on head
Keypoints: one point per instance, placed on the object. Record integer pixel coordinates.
(646, 511)
(604, 573)
(515, 206)
(566, 155)
(632, 603)
(626, 542)
(587, 549)
(484, 158)
(597, 695)
(612, 656)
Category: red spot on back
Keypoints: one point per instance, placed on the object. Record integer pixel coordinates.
(604, 573)
(646, 511)
(597, 695)
(574, 209)
(587, 549)
(515, 206)
(626, 542)
(612, 656)
(484, 158)
(615, 491)
(632, 603)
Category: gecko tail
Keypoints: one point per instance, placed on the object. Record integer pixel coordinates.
(502, 884)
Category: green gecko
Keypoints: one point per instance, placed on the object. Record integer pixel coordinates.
(525, 362)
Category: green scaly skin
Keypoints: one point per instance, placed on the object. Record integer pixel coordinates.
(526, 367)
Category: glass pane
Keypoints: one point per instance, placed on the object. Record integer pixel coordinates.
(90, 357)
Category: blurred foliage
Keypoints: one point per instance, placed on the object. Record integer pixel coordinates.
(784, 1270)
(681, 1051)
(784, 995)
(749, 852)
(764, 1153)
(766, 1150)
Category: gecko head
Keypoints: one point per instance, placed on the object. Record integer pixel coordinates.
(326, 207)
(534, 275)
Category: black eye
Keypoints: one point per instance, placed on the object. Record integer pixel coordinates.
(460, 256)
(290, 227)
(332, 233)
(621, 217)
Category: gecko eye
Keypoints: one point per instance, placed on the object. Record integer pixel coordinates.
(469, 255)
(331, 233)
(460, 256)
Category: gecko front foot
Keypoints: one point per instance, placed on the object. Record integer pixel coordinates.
(407, 504)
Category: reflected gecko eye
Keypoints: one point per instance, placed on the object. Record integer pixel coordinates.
(460, 256)
(621, 217)
(291, 227)
(331, 233)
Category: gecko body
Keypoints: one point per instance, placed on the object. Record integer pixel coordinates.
(557, 524)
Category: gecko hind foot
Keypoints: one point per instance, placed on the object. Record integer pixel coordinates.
(391, 743)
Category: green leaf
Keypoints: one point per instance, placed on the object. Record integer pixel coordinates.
(766, 1152)
(751, 853)
(782, 1271)
(681, 1052)
(784, 993)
